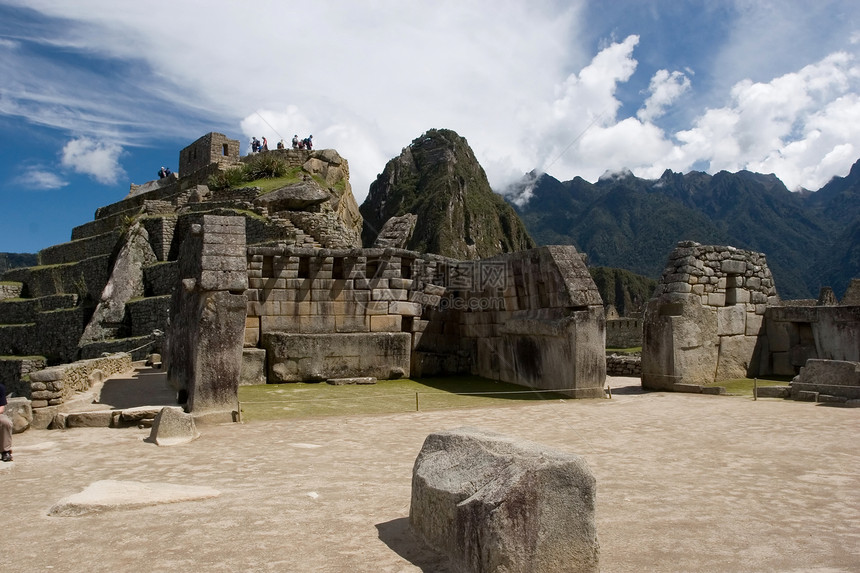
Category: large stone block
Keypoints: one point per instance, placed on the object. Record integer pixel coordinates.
(172, 427)
(492, 503)
(778, 337)
(20, 412)
(737, 357)
(733, 267)
(253, 367)
(731, 320)
(307, 357)
(832, 377)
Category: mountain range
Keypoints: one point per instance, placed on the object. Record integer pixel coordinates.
(811, 239)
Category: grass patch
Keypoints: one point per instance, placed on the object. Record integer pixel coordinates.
(744, 386)
(631, 350)
(307, 400)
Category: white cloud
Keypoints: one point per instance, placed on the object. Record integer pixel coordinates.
(787, 126)
(35, 178)
(665, 89)
(517, 79)
(99, 160)
(366, 78)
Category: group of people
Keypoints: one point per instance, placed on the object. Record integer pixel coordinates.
(306, 143)
(163, 172)
(257, 146)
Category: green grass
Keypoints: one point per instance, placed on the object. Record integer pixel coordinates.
(307, 400)
(744, 386)
(631, 350)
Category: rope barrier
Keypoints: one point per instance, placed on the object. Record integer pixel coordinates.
(409, 395)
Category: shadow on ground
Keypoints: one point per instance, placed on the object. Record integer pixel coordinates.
(143, 387)
(398, 536)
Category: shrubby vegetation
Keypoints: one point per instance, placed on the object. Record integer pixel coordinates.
(262, 166)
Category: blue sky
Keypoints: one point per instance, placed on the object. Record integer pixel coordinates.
(97, 94)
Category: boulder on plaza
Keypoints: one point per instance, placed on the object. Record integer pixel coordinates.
(494, 503)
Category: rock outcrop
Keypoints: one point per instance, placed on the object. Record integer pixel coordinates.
(439, 179)
(396, 232)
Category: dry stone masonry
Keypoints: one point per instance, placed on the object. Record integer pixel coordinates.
(705, 318)
(204, 350)
(716, 316)
(532, 318)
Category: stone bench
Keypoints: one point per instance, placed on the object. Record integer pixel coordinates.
(492, 503)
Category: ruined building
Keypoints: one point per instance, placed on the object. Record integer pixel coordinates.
(716, 316)
(275, 286)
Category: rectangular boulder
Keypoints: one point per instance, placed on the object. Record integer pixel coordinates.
(492, 503)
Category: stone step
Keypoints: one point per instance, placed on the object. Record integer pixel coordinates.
(773, 392)
(106, 418)
(80, 249)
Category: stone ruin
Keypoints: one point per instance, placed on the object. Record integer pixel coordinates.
(321, 307)
(716, 316)
(240, 285)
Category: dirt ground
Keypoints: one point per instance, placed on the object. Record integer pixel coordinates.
(685, 483)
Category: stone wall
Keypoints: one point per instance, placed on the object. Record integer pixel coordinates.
(327, 228)
(160, 231)
(148, 314)
(53, 334)
(10, 290)
(623, 332)
(160, 278)
(795, 334)
(211, 148)
(624, 365)
(14, 371)
(704, 322)
(334, 294)
(53, 386)
(94, 246)
(21, 311)
(532, 318)
(85, 278)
